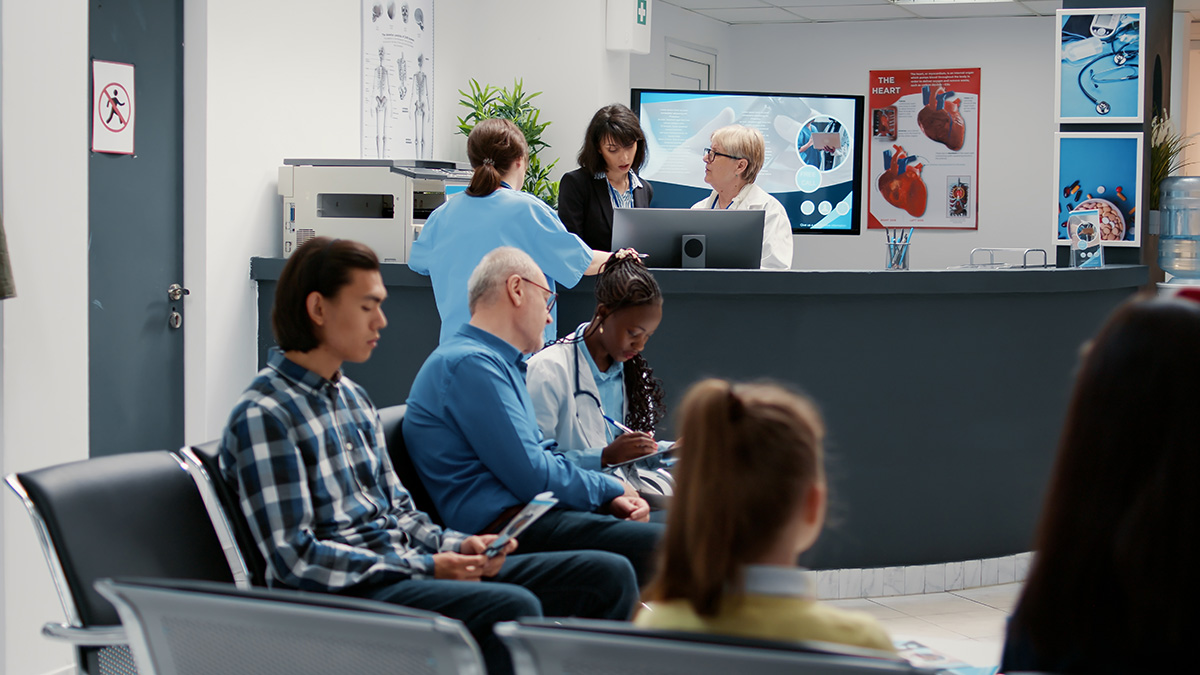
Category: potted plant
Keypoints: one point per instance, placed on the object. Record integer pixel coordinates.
(1166, 158)
(485, 102)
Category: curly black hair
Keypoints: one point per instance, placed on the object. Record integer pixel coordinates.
(626, 282)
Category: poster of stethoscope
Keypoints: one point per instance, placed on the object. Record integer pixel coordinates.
(397, 79)
(1099, 78)
(924, 150)
(1097, 196)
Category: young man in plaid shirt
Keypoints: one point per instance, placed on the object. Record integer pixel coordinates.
(305, 449)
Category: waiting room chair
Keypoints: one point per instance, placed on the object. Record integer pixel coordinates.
(198, 628)
(559, 647)
(136, 514)
(225, 510)
(392, 418)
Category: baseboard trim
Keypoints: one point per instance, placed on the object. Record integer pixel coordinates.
(879, 582)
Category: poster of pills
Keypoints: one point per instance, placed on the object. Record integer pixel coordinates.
(397, 79)
(1098, 172)
(923, 164)
(1099, 73)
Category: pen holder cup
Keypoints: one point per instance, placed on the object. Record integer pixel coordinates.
(897, 256)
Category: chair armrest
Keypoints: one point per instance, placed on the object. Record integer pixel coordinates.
(95, 636)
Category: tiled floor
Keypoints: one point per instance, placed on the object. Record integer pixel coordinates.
(966, 624)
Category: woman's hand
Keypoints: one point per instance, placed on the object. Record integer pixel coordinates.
(630, 506)
(628, 446)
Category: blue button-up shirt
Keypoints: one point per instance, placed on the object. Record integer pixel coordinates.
(463, 230)
(307, 456)
(473, 435)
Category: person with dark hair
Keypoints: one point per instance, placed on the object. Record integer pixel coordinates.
(1109, 589)
(614, 149)
(494, 213)
(596, 377)
(305, 451)
(750, 497)
(474, 438)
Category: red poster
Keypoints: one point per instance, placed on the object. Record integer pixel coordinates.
(923, 158)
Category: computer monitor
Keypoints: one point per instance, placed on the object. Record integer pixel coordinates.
(716, 238)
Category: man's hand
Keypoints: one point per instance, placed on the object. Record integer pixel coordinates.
(477, 544)
(628, 446)
(630, 506)
(459, 567)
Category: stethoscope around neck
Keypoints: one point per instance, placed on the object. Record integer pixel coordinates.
(578, 386)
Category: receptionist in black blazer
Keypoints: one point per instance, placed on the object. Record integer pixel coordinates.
(614, 148)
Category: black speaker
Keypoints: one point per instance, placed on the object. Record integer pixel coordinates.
(694, 248)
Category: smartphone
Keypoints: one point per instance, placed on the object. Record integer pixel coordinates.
(532, 511)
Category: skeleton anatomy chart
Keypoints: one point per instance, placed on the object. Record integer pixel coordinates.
(397, 79)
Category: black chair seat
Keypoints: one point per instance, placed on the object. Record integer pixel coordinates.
(392, 418)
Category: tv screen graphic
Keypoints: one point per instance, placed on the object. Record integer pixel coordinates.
(813, 165)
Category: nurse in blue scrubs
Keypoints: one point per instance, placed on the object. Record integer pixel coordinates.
(493, 213)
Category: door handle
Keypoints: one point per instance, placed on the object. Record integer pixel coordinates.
(175, 292)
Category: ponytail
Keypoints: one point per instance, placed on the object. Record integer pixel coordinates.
(749, 453)
(493, 147)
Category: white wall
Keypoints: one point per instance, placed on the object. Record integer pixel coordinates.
(264, 81)
(556, 47)
(45, 80)
(1016, 111)
(688, 28)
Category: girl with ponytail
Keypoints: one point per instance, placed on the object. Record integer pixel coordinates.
(749, 498)
(593, 382)
(494, 213)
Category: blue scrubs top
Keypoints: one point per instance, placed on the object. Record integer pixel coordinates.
(611, 387)
(463, 230)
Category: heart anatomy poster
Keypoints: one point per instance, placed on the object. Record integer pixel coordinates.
(924, 149)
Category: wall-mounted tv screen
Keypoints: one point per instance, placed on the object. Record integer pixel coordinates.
(812, 166)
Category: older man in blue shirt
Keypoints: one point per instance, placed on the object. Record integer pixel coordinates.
(473, 435)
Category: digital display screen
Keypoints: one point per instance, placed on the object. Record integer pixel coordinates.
(812, 162)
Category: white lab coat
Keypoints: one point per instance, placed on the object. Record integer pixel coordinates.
(576, 422)
(777, 230)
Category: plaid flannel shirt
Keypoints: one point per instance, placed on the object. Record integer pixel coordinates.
(307, 456)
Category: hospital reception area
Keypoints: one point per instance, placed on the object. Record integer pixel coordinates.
(629, 336)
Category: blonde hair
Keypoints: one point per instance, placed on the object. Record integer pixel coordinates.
(749, 452)
(743, 142)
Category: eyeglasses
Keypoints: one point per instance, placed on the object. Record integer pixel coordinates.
(711, 155)
(549, 301)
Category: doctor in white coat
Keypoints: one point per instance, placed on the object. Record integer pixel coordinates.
(592, 391)
(730, 166)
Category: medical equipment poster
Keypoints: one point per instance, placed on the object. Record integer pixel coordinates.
(1098, 172)
(924, 149)
(397, 79)
(1099, 74)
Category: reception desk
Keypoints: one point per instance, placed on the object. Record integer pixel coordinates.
(943, 391)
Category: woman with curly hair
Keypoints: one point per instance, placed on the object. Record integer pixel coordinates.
(593, 384)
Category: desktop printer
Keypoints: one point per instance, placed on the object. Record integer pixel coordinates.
(380, 202)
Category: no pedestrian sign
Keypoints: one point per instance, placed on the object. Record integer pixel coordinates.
(112, 107)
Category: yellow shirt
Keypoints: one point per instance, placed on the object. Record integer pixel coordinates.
(774, 615)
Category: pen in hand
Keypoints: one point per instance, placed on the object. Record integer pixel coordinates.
(618, 425)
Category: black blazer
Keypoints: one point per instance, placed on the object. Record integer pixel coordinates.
(586, 209)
